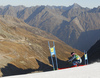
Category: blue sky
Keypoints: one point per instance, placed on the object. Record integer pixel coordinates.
(28, 3)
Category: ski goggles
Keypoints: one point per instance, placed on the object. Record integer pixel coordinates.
(72, 54)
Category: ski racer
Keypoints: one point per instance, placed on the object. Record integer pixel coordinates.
(75, 58)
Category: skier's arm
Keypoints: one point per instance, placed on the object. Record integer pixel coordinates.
(72, 58)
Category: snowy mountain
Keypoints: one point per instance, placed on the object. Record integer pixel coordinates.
(89, 71)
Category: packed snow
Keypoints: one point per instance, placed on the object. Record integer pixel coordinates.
(88, 71)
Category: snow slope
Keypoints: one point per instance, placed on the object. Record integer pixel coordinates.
(89, 71)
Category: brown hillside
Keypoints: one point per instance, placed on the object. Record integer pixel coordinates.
(22, 47)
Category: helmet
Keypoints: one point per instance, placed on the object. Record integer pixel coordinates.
(72, 53)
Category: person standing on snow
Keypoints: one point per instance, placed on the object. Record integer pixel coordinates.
(75, 58)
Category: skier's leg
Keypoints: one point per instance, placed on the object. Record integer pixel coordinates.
(74, 64)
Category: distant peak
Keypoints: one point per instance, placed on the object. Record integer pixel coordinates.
(8, 5)
(98, 6)
(75, 5)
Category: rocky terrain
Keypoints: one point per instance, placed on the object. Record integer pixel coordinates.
(94, 52)
(67, 23)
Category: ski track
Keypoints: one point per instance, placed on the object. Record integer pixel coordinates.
(89, 71)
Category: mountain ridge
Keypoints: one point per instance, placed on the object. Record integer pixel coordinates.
(53, 19)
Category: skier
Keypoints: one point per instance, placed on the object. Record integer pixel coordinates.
(76, 59)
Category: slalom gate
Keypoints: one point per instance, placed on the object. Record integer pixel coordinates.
(53, 52)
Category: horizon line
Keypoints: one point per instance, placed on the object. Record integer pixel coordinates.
(44, 5)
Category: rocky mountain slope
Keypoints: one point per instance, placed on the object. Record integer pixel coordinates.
(94, 52)
(24, 49)
(66, 23)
